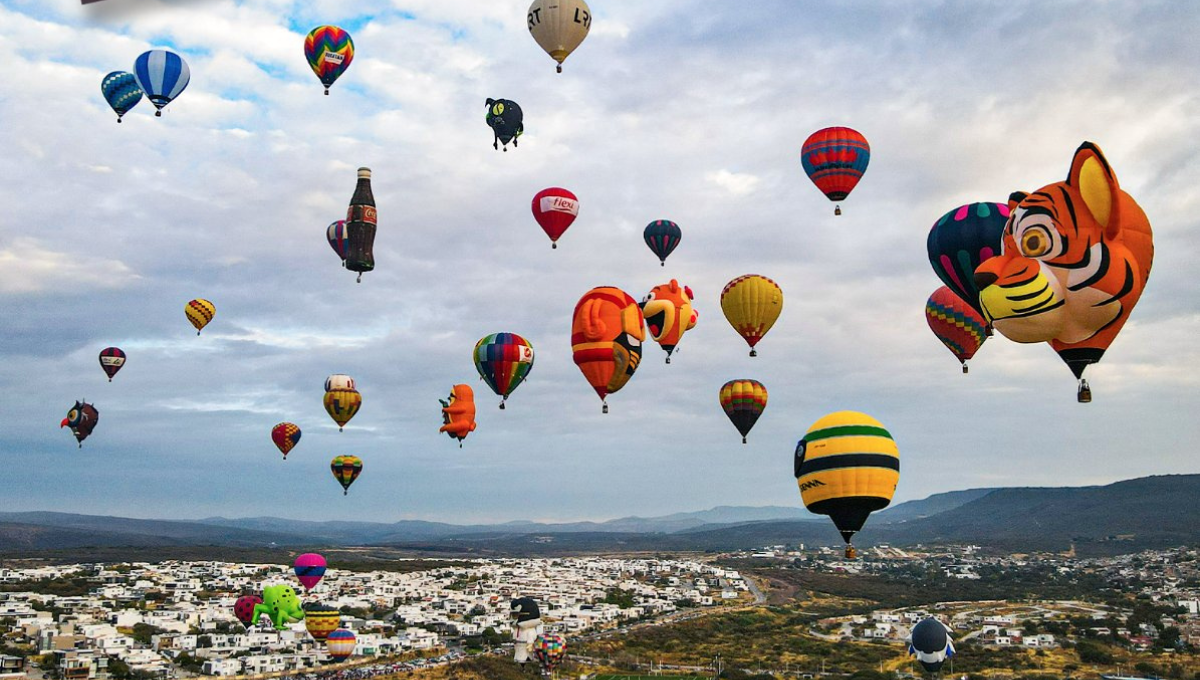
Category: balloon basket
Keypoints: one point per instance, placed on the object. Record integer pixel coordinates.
(753, 352)
(118, 120)
(327, 92)
(553, 246)
(558, 69)
(604, 408)
(359, 279)
(965, 370)
(197, 332)
(743, 440)
(837, 210)
(662, 263)
(346, 492)
(501, 406)
(110, 379)
(158, 114)
(1085, 392)
(668, 360)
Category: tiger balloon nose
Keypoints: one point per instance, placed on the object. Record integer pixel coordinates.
(1028, 307)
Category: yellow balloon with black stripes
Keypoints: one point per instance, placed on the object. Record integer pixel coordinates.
(200, 312)
(847, 466)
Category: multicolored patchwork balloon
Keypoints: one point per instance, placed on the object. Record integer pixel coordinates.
(111, 360)
(960, 241)
(121, 91)
(285, 436)
(503, 361)
(335, 233)
(345, 470)
(549, 650)
(162, 75)
(743, 401)
(341, 643)
(960, 328)
(662, 236)
(310, 569)
(329, 50)
(835, 158)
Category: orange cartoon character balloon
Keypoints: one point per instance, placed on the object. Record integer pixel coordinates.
(669, 314)
(606, 339)
(458, 413)
(1073, 261)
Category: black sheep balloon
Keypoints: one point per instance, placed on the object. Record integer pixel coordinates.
(82, 419)
(505, 118)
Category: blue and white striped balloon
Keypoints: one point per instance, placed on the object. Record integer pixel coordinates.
(121, 91)
(162, 75)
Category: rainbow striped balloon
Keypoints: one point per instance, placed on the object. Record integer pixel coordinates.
(960, 328)
(340, 644)
(329, 50)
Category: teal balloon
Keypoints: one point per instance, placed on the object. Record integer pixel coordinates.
(121, 91)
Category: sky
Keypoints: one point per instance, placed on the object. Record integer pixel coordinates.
(688, 110)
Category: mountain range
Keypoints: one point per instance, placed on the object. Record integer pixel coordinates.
(1125, 516)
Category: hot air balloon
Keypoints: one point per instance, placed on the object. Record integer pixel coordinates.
(340, 644)
(335, 233)
(342, 400)
(743, 401)
(121, 91)
(320, 620)
(1075, 258)
(662, 236)
(835, 158)
(82, 419)
(243, 609)
(559, 26)
(930, 642)
(329, 51)
(506, 120)
(960, 241)
(549, 650)
(310, 569)
(162, 75)
(345, 470)
(200, 312)
(607, 330)
(959, 327)
(503, 361)
(111, 360)
(285, 436)
(752, 303)
(668, 312)
(527, 626)
(847, 466)
(555, 209)
(458, 413)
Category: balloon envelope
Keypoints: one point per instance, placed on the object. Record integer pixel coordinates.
(930, 642)
(549, 650)
(320, 620)
(329, 51)
(82, 419)
(960, 328)
(555, 209)
(960, 241)
(503, 361)
(743, 402)
(505, 118)
(607, 330)
(340, 644)
(662, 236)
(458, 413)
(243, 609)
(559, 26)
(835, 158)
(342, 405)
(285, 436)
(162, 75)
(752, 304)
(310, 569)
(121, 91)
(339, 381)
(199, 312)
(111, 360)
(668, 312)
(345, 470)
(335, 233)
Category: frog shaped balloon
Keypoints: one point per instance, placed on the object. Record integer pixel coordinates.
(281, 605)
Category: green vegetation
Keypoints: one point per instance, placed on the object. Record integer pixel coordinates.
(621, 598)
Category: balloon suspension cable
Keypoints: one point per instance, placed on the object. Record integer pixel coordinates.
(965, 369)
(496, 145)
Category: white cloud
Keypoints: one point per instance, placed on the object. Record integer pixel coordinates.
(28, 267)
(738, 184)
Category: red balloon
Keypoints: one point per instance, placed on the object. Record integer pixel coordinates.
(555, 209)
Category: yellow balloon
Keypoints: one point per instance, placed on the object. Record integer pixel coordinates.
(342, 404)
(847, 466)
(559, 26)
(200, 312)
(752, 303)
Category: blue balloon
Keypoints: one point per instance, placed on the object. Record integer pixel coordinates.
(662, 236)
(162, 75)
(121, 91)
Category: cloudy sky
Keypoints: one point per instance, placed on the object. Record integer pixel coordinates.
(687, 110)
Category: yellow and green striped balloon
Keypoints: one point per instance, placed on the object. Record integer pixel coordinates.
(847, 466)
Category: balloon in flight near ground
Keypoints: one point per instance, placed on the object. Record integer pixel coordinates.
(200, 312)
(662, 236)
(243, 609)
(607, 330)
(309, 569)
(743, 402)
(329, 51)
(559, 26)
(960, 241)
(668, 312)
(341, 400)
(345, 470)
(835, 158)
(555, 209)
(527, 625)
(503, 361)
(752, 304)
(340, 644)
(111, 360)
(121, 91)
(458, 413)
(960, 328)
(505, 118)
(549, 650)
(930, 642)
(162, 75)
(285, 436)
(280, 604)
(335, 233)
(320, 620)
(82, 419)
(847, 466)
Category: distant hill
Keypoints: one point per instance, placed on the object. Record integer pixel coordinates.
(1122, 517)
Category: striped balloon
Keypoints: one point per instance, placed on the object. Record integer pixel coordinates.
(503, 361)
(162, 75)
(320, 620)
(835, 158)
(285, 436)
(329, 50)
(200, 312)
(340, 644)
(309, 569)
(743, 401)
(121, 91)
(111, 360)
(338, 239)
(960, 241)
(345, 470)
(961, 329)
(662, 236)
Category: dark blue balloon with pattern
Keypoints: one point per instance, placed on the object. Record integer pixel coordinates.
(121, 91)
(662, 236)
